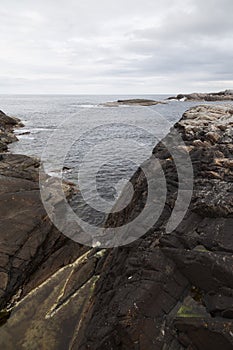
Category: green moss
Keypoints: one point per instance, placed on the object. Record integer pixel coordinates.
(186, 311)
(201, 248)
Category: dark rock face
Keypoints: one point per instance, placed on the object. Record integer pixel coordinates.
(164, 291)
(226, 95)
(31, 248)
(6, 130)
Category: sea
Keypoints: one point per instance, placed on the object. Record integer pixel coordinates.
(98, 148)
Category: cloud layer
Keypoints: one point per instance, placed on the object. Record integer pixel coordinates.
(126, 47)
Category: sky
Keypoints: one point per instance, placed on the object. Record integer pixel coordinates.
(115, 46)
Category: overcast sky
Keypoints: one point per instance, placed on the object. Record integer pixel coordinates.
(116, 46)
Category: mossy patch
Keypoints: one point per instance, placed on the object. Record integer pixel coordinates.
(187, 311)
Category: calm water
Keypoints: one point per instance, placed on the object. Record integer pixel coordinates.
(42, 114)
(91, 134)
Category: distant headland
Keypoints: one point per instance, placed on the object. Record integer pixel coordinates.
(226, 95)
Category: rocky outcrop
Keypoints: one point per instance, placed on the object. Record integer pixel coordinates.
(31, 248)
(164, 291)
(226, 95)
(7, 124)
(174, 291)
(132, 102)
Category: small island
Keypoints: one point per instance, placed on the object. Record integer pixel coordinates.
(132, 102)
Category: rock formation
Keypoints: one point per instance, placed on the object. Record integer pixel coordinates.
(174, 291)
(31, 248)
(164, 291)
(6, 130)
(226, 95)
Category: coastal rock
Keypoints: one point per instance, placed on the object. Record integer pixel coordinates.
(143, 286)
(28, 239)
(7, 124)
(48, 316)
(31, 248)
(226, 95)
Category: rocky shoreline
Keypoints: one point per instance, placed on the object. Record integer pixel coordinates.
(226, 95)
(31, 248)
(174, 291)
(7, 125)
(164, 291)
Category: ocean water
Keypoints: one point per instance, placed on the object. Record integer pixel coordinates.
(103, 146)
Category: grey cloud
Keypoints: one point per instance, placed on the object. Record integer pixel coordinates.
(55, 46)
